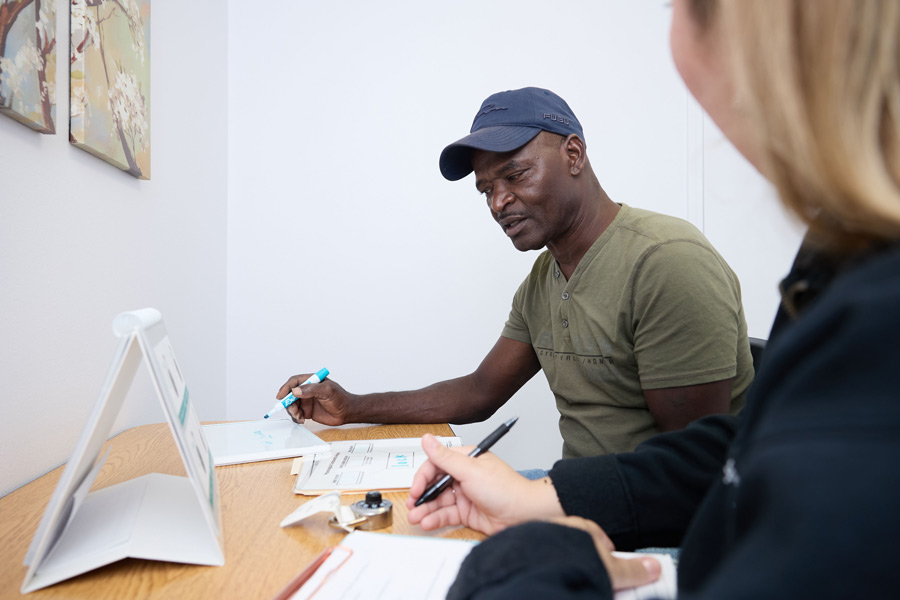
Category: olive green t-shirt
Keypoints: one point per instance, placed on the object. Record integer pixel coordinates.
(651, 305)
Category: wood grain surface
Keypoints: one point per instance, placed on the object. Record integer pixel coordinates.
(260, 556)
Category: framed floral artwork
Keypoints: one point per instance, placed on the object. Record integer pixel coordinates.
(28, 62)
(110, 82)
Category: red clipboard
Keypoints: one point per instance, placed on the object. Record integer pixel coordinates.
(300, 580)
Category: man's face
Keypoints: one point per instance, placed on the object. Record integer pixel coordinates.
(528, 190)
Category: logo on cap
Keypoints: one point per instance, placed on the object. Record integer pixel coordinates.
(487, 108)
(557, 118)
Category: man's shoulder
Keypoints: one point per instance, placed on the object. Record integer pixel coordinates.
(666, 250)
(655, 228)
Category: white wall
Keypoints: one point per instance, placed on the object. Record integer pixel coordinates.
(81, 241)
(347, 248)
(343, 245)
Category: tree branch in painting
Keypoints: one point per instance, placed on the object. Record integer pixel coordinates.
(9, 10)
(126, 101)
(128, 112)
(80, 14)
(45, 39)
(28, 77)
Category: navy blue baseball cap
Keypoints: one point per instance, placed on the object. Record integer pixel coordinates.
(506, 121)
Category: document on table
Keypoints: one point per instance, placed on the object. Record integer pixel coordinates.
(378, 566)
(361, 465)
(381, 566)
(251, 441)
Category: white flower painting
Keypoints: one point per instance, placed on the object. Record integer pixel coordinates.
(28, 62)
(110, 82)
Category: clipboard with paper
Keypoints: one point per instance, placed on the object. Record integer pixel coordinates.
(398, 566)
(384, 565)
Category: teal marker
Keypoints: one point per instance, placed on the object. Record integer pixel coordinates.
(318, 376)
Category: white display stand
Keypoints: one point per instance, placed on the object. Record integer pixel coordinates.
(156, 516)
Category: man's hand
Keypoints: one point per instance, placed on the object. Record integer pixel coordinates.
(324, 402)
(487, 494)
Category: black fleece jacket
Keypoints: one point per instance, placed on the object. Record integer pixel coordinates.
(798, 497)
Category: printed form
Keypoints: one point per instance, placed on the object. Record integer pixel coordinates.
(384, 566)
(360, 465)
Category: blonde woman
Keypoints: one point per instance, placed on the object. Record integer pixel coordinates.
(799, 496)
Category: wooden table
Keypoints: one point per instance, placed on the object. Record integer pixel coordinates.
(260, 556)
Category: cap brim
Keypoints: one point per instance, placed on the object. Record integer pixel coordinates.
(456, 159)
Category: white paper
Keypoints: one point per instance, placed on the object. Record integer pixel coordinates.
(382, 566)
(664, 588)
(266, 439)
(360, 465)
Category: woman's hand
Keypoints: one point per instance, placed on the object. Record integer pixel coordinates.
(486, 495)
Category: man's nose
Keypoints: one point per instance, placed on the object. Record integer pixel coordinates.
(500, 198)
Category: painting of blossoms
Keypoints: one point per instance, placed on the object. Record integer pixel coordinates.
(110, 82)
(28, 62)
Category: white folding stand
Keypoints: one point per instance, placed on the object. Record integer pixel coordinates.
(156, 516)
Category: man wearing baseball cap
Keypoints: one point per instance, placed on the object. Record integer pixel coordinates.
(633, 316)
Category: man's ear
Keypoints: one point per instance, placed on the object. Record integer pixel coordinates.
(576, 154)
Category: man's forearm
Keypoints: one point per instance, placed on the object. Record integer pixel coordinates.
(467, 399)
(451, 401)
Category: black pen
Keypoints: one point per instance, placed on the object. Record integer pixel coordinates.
(444, 482)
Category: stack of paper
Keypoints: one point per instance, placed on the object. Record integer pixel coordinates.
(361, 465)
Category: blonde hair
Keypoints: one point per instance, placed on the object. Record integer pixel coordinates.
(820, 81)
